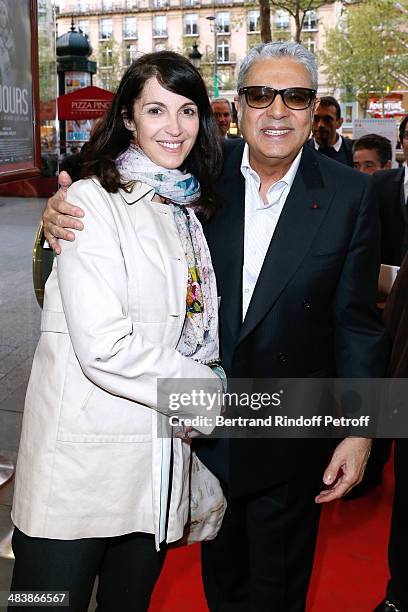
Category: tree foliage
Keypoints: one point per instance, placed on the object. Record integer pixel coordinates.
(298, 9)
(367, 52)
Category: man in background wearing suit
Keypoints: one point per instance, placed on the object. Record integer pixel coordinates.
(326, 121)
(391, 188)
(295, 249)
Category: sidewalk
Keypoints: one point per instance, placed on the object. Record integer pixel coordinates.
(19, 332)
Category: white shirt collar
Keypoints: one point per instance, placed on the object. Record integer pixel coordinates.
(285, 181)
(405, 173)
(336, 146)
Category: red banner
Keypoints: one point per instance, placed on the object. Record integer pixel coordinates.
(87, 103)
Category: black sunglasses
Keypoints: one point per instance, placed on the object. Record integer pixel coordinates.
(295, 98)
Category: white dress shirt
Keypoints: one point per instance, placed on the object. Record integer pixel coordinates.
(405, 182)
(260, 221)
(336, 146)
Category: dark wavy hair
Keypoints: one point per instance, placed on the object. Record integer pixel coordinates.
(402, 128)
(110, 136)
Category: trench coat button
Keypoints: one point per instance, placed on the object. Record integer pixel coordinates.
(282, 357)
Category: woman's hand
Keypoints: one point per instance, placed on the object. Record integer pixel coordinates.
(187, 434)
(59, 216)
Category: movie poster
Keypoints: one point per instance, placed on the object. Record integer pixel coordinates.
(17, 143)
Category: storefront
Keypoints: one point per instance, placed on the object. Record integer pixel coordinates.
(28, 92)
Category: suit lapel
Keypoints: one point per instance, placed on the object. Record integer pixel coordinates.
(225, 235)
(399, 186)
(304, 210)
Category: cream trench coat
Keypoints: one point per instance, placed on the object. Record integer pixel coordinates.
(90, 461)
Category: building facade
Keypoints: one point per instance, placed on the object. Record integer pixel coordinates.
(119, 30)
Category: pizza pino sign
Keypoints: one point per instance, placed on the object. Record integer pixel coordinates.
(87, 103)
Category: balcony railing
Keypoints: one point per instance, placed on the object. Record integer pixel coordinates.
(310, 27)
(159, 4)
(97, 8)
(232, 59)
(105, 35)
(130, 34)
(159, 33)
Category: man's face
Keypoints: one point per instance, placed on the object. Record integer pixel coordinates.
(368, 161)
(275, 134)
(325, 125)
(223, 116)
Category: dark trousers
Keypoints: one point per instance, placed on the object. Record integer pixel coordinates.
(128, 567)
(398, 545)
(262, 558)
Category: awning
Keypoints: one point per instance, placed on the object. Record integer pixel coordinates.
(87, 103)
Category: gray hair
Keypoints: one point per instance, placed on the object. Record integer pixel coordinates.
(224, 100)
(278, 50)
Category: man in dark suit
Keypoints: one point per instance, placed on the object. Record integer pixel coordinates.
(297, 276)
(327, 120)
(295, 250)
(391, 188)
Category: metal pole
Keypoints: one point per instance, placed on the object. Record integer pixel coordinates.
(215, 60)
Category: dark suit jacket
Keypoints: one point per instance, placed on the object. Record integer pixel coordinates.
(313, 311)
(396, 320)
(344, 155)
(389, 190)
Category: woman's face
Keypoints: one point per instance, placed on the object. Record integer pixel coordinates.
(165, 125)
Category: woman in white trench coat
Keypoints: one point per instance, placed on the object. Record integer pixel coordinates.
(132, 299)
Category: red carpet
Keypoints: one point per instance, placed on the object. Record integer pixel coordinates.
(350, 571)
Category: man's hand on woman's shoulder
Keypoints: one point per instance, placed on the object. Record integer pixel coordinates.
(60, 216)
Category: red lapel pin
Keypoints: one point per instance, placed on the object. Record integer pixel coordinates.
(314, 206)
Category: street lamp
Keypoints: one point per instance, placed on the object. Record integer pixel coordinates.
(212, 18)
(195, 56)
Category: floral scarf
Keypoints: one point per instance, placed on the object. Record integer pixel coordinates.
(199, 338)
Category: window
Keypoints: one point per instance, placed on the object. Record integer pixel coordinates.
(191, 2)
(223, 52)
(130, 54)
(253, 21)
(83, 6)
(105, 29)
(106, 5)
(310, 45)
(223, 23)
(83, 25)
(310, 22)
(191, 24)
(281, 20)
(104, 80)
(159, 25)
(160, 3)
(160, 47)
(129, 27)
(106, 56)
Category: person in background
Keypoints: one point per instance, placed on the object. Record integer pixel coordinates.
(99, 491)
(396, 320)
(294, 244)
(327, 120)
(223, 115)
(371, 153)
(391, 188)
